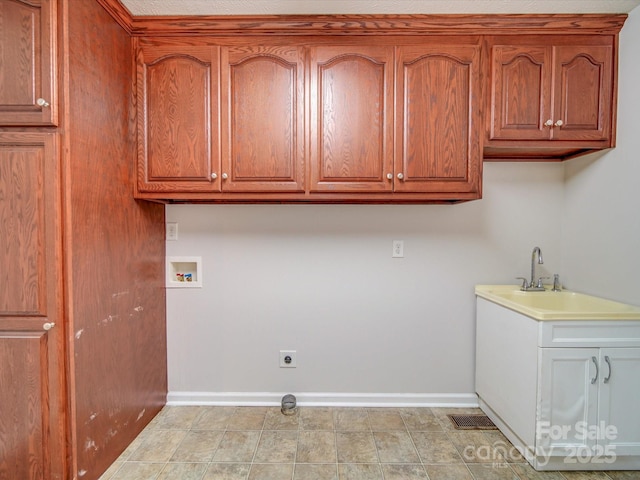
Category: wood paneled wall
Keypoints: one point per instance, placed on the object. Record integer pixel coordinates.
(115, 265)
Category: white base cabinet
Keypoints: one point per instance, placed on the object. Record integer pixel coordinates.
(565, 393)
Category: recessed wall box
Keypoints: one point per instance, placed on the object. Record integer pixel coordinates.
(184, 272)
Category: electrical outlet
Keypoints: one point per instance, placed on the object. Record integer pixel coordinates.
(172, 231)
(287, 359)
(398, 249)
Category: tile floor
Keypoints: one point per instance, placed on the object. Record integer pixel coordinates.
(317, 443)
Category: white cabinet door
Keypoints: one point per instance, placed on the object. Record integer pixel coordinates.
(568, 400)
(619, 398)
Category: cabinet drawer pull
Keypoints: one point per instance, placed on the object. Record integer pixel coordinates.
(548, 123)
(559, 123)
(608, 377)
(595, 362)
(41, 102)
(48, 326)
(225, 176)
(214, 175)
(400, 176)
(390, 176)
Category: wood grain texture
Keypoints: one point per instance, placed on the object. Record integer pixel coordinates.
(114, 265)
(24, 441)
(178, 139)
(27, 62)
(23, 274)
(374, 24)
(262, 118)
(439, 127)
(351, 118)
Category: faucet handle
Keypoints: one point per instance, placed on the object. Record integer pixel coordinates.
(539, 284)
(525, 283)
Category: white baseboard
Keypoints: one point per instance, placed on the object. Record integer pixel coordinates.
(464, 400)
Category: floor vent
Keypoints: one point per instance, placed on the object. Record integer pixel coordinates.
(472, 422)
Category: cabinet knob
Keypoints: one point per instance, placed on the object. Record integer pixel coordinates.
(41, 102)
(214, 175)
(48, 326)
(559, 123)
(225, 176)
(400, 176)
(548, 123)
(390, 176)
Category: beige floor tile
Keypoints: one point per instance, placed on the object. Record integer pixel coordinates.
(448, 472)
(238, 447)
(198, 446)
(351, 419)
(527, 472)
(404, 472)
(624, 475)
(139, 471)
(382, 419)
(356, 447)
(276, 420)
(180, 418)
(316, 418)
(183, 471)
(316, 447)
(495, 471)
(111, 471)
(502, 445)
(586, 475)
(474, 447)
(435, 447)
(158, 447)
(227, 471)
(274, 471)
(313, 471)
(395, 447)
(277, 447)
(359, 471)
(420, 419)
(247, 418)
(213, 418)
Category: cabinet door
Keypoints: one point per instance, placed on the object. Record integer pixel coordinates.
(178, 119)
(32, 423)
(439, 122)
(351, 119)
(618, 405)
(262, 119)
(583, 92)
(520, 92)
(568, 399)
(27, 62)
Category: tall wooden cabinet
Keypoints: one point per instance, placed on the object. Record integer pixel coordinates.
(32, 398)
(82, 344)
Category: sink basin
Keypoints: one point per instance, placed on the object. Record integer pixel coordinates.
(564, 305)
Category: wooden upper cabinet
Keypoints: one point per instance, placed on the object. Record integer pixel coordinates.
(438, 137)
(28, 63)
(351, 118)
(178, 144)
(551, 89)
(262, 119)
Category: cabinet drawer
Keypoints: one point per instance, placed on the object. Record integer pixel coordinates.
(589, 333)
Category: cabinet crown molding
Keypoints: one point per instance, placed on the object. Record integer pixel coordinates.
(420, 24)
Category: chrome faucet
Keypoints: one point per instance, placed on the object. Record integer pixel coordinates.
(532, 285)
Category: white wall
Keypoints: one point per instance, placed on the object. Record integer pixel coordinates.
(601, 235)
(320, 279)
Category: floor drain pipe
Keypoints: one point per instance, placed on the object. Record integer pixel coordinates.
(288, 404)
